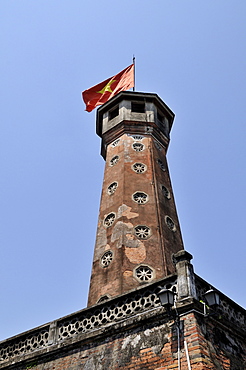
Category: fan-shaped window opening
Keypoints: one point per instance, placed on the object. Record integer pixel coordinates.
(114, 160)
(137, 137)
(115, 143)
(104, 298)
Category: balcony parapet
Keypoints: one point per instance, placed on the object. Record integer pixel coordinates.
(57, 333)
(116, 315)
(229, 311)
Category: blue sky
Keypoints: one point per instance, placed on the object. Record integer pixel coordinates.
(192, 54)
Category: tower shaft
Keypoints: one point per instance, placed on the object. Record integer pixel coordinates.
(138, 228)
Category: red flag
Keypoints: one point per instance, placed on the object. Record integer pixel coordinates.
(101, 93)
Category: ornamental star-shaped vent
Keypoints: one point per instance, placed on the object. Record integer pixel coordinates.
(161, 164)
(140, 197)
(139, 167)
(138, 147)
(165, 192)
(142, 232)
(144, 273)
(109, 219)
(112, 187)
(170, 223)
(106, 259)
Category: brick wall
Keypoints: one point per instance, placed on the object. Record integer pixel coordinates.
(149, 343)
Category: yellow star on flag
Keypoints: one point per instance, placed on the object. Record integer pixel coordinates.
(107, 87)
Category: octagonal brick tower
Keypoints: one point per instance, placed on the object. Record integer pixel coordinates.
(138, 227)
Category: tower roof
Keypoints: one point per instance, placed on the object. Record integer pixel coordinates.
(133, 96)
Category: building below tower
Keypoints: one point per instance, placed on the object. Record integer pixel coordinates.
(134, 331)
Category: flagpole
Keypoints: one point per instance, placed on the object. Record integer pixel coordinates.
(133, 61)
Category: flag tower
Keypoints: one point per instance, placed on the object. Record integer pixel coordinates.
(138, 228)
(147, 309)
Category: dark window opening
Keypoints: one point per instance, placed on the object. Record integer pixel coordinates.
(113, 113)
(160, 117)
(138, 107)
